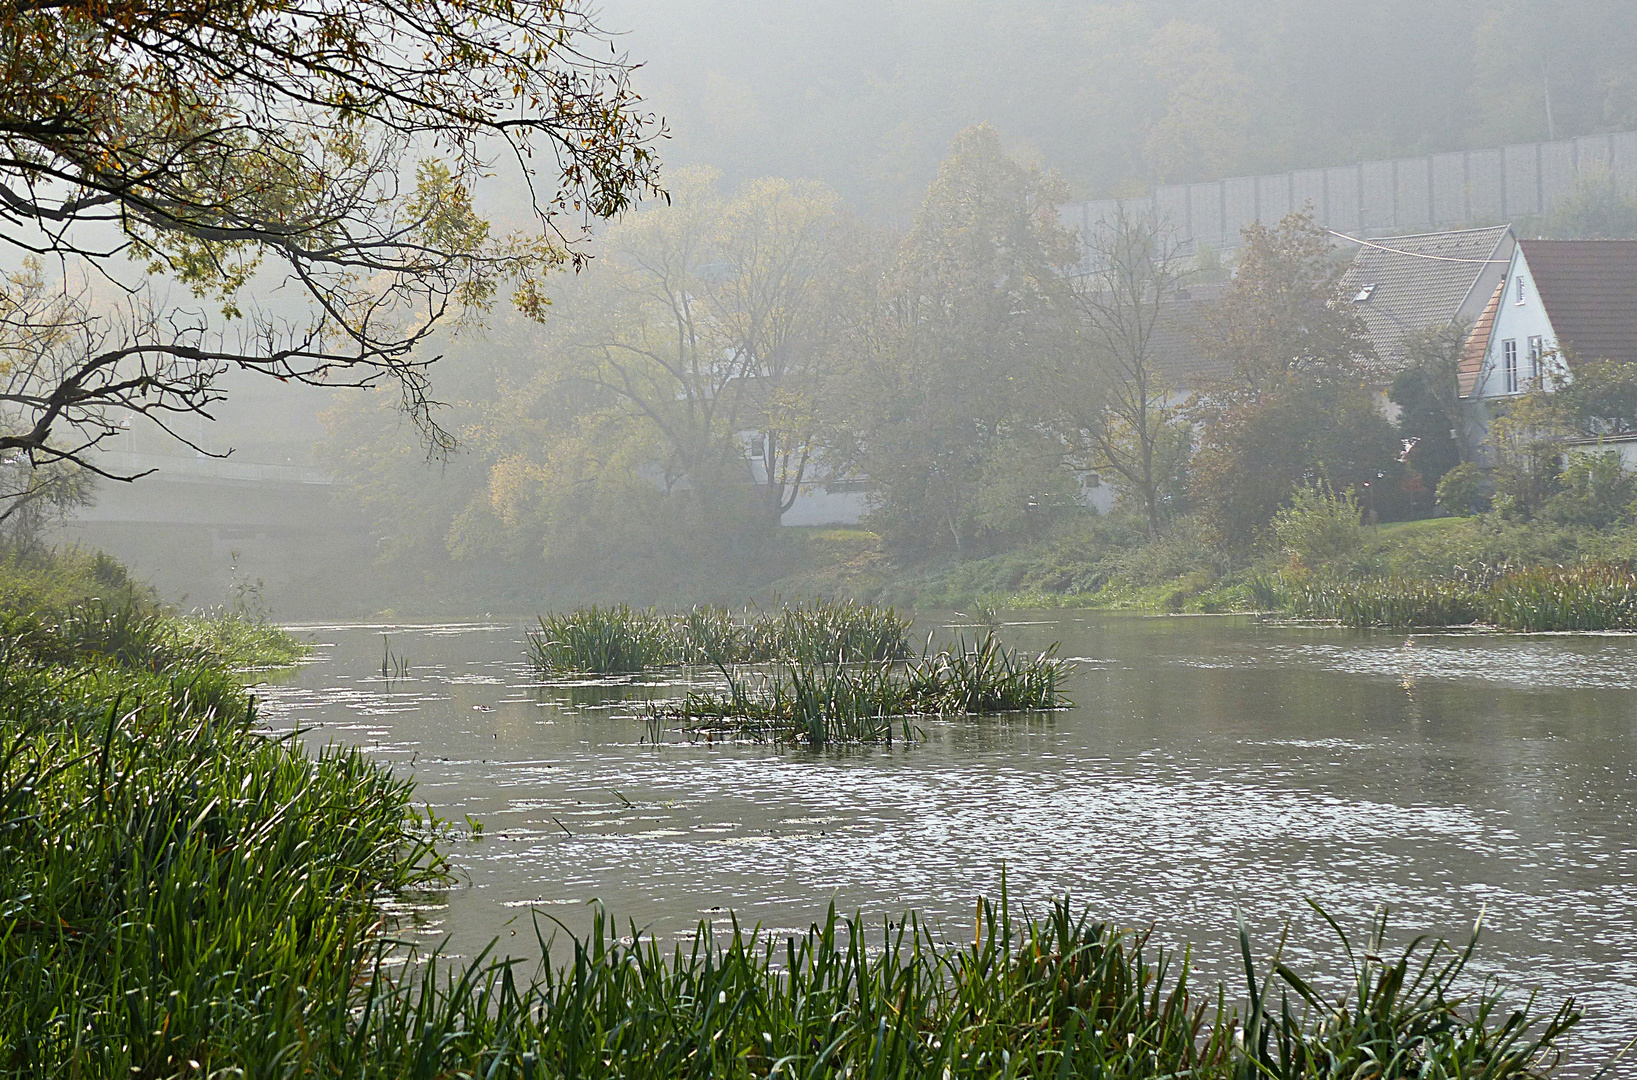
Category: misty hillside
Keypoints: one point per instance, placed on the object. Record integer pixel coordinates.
(1117, 96)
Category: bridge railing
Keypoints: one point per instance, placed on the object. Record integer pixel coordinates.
(204, 469)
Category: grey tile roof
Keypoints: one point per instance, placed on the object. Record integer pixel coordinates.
(1424, 281)
(1178, 357)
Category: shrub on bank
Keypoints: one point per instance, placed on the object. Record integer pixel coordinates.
(42, 579)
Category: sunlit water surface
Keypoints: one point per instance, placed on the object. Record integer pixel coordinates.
(1208, 763)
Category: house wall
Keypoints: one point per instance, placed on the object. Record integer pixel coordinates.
(1518, 322)
(1625, 447)
(817, 505)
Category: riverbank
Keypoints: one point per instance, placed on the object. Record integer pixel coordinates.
(1441, 571)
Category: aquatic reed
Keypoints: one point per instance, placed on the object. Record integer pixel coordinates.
(1599, 596)
(813, 704)
(1058, 996)
(612, 640)
(817, 703)
(1595, 597)
(829, 632)
(985, 678)
(1386, 601)
(618, 640)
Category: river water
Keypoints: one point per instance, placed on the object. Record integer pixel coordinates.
(1209, 764)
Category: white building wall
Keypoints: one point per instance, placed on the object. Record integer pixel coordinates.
(1519, 321)
(817, 505)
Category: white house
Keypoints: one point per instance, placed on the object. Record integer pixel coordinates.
(1562, 302)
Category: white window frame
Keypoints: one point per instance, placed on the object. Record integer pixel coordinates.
(1537, 361)
(1520, 288)
(1509, 365)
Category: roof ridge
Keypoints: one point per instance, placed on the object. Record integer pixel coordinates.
(1443, 232)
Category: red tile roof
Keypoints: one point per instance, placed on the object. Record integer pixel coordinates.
(1589, 289)
(1477, 344)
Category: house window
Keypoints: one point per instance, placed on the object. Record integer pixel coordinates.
(1519, 280)
(1509, 364)
(1537, 361)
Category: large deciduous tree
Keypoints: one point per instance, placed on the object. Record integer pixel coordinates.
(951, 408)
(711, 318)
(1296, 406)
(326, 150)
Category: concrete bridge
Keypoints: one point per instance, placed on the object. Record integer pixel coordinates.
(198, 526)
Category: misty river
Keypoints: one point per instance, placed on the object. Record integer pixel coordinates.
(1208, 762)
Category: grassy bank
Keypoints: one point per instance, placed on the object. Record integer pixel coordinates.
(1524, 576)
(70, 603)
(181, 892)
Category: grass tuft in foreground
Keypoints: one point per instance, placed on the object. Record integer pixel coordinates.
(178, 887)
(621, 639)
(1059, 996)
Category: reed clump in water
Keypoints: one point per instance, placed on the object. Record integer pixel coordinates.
(828, 632)
(612, 640)
(986, 678)
(622, 639)
(1594, 597)
(1386, 602)
(821, 703)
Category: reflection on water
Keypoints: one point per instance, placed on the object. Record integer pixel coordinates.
(1208, 763)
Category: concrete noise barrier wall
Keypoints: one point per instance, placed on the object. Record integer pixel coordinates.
(1466, 188)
